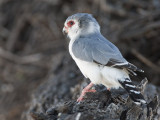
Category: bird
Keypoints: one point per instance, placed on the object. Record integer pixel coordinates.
(97, 58)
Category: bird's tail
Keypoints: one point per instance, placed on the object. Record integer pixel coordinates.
(134, 93)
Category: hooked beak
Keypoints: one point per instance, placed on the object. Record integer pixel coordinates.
(65, 30)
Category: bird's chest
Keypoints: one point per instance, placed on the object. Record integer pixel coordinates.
(83, 65)
(70, 49)
(90, 70)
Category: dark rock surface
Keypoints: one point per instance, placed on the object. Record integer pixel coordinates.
(56, 99)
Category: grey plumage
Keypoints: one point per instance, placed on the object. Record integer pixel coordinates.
(95, 48)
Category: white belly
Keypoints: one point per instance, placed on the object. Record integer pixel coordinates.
(102, 74)
(90, 70)
(99, 74)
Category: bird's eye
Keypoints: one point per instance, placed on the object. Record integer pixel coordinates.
(70, 23)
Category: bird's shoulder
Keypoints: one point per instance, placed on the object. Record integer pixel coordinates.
(94, 43)
(93, 40)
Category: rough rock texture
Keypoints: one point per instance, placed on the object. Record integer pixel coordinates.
(56, 99)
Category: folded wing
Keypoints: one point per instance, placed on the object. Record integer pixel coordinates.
(101, 51)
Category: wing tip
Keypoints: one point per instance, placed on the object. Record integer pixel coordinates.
(136, 68)
(140, 70)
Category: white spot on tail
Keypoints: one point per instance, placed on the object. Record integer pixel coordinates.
(128, 80)
(138, 103)
(136, 92)
(133, 86)
(78, 116)
(142, 101)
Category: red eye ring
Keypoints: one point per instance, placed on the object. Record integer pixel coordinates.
(70, 23)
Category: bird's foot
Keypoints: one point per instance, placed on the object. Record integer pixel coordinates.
(109, 89)
(83, 94)
(84, 91)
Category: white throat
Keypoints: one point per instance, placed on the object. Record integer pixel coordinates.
(74, 35)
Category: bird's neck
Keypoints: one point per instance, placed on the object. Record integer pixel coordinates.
(92, 30)
(74, 36)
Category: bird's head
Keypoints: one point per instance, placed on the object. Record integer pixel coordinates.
(80, 24)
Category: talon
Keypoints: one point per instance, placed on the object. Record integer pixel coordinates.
(109, 89)
(91, 91)
(84, 91)
(80, 99)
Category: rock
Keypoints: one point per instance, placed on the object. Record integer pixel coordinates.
(56, 99)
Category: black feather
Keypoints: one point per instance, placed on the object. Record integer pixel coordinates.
(134, 93)
(128, 66)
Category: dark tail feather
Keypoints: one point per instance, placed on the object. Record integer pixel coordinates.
(132, 67)
(135, 94)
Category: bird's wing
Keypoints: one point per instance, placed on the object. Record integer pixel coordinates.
(100, 51)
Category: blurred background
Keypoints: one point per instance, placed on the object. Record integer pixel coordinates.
(31, 38)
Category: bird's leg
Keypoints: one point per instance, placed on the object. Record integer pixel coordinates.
(109, 89)
(85, 90)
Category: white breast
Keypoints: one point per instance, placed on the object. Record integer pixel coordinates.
(99, 74)
(88, 69)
